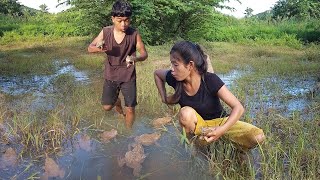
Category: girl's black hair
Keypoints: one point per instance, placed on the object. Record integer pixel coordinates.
(188, 51)
(191, 52)
(121, 8)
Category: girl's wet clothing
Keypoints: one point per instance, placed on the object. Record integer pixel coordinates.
(206, 101)
(241, 133)
(210, 112)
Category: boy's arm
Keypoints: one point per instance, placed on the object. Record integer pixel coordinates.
(143, 55)
(93, 45)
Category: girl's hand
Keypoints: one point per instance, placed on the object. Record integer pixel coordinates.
(213, 133)
(169, 99)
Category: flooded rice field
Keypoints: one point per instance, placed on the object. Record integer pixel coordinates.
(286, 95)
(151, 150)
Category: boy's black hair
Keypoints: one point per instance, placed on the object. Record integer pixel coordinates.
(121, 8)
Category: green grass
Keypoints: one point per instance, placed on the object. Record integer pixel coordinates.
(290, 151)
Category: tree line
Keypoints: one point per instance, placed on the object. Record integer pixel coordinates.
(160, 21)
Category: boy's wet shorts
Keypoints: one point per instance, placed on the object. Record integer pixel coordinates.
(241, 133)
(111, 91)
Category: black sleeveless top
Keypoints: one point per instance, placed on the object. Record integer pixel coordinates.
(206, 101)
(115, 64)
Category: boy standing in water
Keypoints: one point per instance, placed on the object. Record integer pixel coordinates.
(120, 42)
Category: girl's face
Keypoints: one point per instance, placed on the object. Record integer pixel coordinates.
(180, 71)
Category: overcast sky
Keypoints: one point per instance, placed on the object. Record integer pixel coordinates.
(36, 3)
(258, 6)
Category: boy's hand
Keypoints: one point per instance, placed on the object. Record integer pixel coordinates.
(130, 61)
(100, 44)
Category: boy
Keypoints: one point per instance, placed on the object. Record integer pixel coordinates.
(120, 42)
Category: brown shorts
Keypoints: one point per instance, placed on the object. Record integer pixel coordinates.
(111, 91)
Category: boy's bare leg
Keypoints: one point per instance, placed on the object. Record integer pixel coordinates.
(118, 107)
(130, 115)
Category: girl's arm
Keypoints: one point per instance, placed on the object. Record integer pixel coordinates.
(237, 110)
(160, 79)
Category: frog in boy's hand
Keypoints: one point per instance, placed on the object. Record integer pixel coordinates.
(100, 44)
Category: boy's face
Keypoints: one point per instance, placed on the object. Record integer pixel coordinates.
(121, 23)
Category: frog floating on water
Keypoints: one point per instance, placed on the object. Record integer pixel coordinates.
(9, 158)
(133, 158)
(161, 121)
(52, 169)
(106, 136)
(147, 139)
(135, 155)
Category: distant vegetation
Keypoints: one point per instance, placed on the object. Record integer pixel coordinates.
(45, 111)
(290, 22)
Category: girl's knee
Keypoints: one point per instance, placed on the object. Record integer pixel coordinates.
(254, 140)
(260, 138)
(188, 118)
(186, 112)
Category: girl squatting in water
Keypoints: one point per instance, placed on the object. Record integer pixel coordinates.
(199, 93)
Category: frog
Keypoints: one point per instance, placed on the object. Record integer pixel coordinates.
(9, 158)
(100, 44)
(147, 139)
(52, 169)
(161, 121)
(106, 136)
(133, 158)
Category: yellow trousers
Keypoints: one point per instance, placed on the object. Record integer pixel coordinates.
(241, 133)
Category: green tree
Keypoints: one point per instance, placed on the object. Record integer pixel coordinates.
(248, 12)
(92, 14)
(300, 9)
(44, 8)
(157, 20)
(10, 7)
(163, 20)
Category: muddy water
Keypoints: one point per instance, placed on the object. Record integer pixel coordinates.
(86, 157)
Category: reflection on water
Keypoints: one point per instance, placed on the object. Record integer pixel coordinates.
(17, 85)
(230, 77)
(269, 91)
(40, 87)
(167, 159)
(284, 95)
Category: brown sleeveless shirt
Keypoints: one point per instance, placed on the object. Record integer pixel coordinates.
(115, 64)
